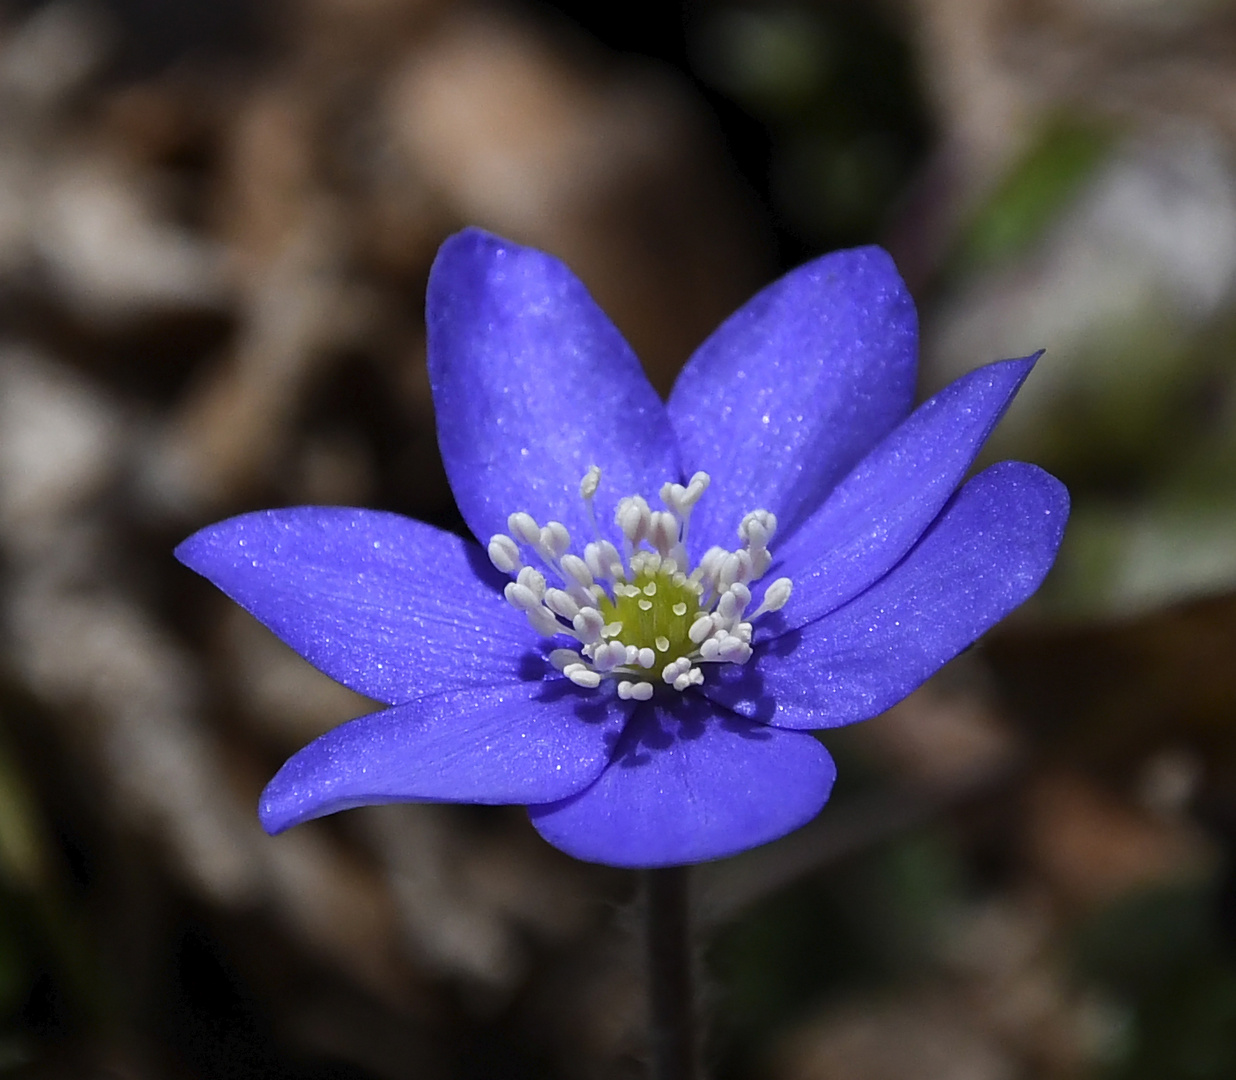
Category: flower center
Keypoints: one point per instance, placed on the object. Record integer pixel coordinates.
(640, 616)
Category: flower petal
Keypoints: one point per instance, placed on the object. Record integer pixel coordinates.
(388, 606)
(689, 782)
(988, 551)
(795, 387)
(518, 743)
(533, 385)
(875, 515)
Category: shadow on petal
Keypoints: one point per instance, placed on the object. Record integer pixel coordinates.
(688, 782)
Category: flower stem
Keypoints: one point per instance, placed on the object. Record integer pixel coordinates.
(671, 989)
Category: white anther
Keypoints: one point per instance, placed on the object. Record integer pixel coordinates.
(681, 500)
(709, 565)
(521, 597)
(524, 528)
(671, 495)
(589, 484)
(734, 602)
(533, 580)
(711, 648)
(634, 691)
(757, 528)
(663, 532)
(562, 658)
(608, 655)
(776, 596)
(543, 621)
(603, 560)
(632, 654)
(504, 553)
(734, 650)
(673, 670)
(577, 570)
(736, 566)
(554, 540)
(582, 676)
(646, 658)
(632, 517)
(683, 681)
(561, 603)
(701, 628)
(589, 624)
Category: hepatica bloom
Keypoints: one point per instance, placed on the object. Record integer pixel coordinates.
(667, 597)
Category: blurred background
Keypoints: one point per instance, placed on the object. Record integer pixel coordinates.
(216, 221)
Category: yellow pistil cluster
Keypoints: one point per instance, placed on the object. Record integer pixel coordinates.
(655, 610)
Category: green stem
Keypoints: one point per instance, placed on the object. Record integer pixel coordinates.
(671, 991)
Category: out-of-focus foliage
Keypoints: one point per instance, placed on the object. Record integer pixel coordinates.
(216, 220)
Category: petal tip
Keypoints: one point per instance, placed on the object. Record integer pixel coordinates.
(274, 813)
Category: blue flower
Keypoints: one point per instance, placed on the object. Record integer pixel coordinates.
(645, 680)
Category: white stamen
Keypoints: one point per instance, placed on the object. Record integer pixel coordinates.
(561, 658)
(589, 484)
(589, 624)
(694, 677)
(709, 566)
(633, 517)
(761, 560)
(776, 596)
(543, 621)
(582, 676)
(757, 528)
(504, 553)
(634, 691)
(555, 539)
(736, 566)
(646, 658)
(533, 580)
(673, 670)
(577, 570)
(733, 602)
(561, 603)
(524, 528)
(603, 561)
(609, 655)
(663, 532)
(520, 596)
